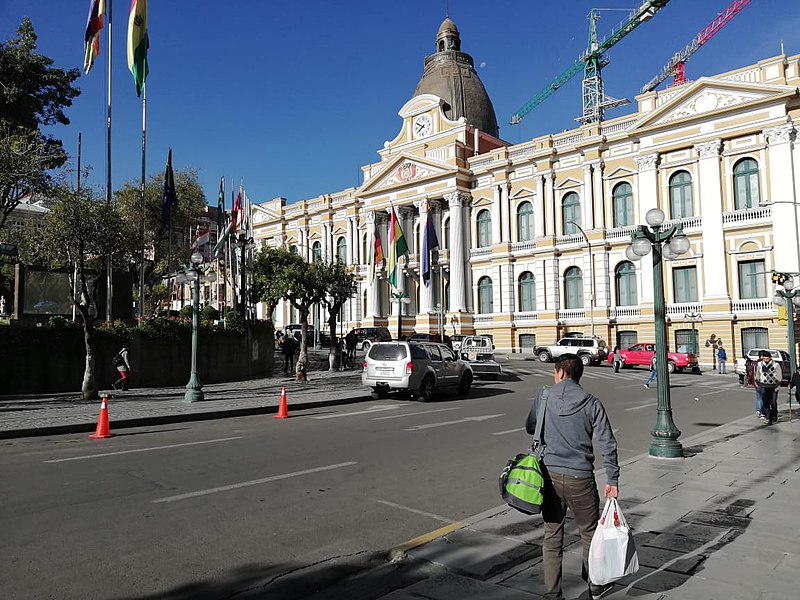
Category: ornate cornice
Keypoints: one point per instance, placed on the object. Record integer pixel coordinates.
(780, 134)
(457, 199)
(708, 149)
(648, 162)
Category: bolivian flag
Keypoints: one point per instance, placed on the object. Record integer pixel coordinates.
(397, 247)
(376, 256)
(97, 10)
(138, 43)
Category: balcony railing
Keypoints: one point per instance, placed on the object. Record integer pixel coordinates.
(687, 222)
(681, 309)
(570, 238)
(528, 245)
(625, 311)
(484, 318)
(747, 214)
(620, 232)
(522, 317)
(475, 252)
(572, 313)
(753, 305)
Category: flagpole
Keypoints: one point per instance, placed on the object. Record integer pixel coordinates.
(141, 202)
(109, 277)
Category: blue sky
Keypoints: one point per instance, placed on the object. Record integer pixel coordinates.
(293, 97)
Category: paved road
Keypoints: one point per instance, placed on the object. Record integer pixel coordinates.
(203, 510)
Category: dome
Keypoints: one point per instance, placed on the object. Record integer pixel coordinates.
(450, 74)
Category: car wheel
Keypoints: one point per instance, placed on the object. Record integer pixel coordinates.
(465, 384)
(544, 356)
(426, 388)
(670, 367)
(586, 360)
(379, 393)
(679, 369)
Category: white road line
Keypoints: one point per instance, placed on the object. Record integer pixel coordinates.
(464, 420)
(641, 406)
(415, 511)
(423, 412)
(372, 409)
(236, 486)
(518, 429)
(58, 460)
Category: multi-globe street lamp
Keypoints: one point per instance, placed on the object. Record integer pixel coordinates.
(196, 274)
(665, 242)
(591, 267)
(790, 297)
(694, 316)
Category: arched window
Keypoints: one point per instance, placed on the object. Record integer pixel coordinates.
(364, 255)
(623, 205)
(447, 296)
(745, 184)
(573, 288)
(571, 213)
(316, 252)
(484, 229)
(680, 195)
(527, 292)
(525, 222)
(341, 249)
(293, 249)
(625, 276)
(446, 236)
(485, 295)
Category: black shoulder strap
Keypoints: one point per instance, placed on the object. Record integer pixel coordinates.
(537, 434)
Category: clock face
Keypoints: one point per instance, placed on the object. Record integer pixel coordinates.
(422, 126)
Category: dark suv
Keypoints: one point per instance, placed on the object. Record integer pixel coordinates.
(366, 336)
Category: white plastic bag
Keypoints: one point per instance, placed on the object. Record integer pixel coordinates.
(612, 554)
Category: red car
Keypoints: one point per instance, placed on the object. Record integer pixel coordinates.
(645, 354)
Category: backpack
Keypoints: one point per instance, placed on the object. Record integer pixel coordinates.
(521, 481)
(118, 361)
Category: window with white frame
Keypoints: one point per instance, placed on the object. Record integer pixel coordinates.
(341, 249)
(746, 184)
(316, 252)
(484, 229)
(573, 288)
(485, 295)
(527, 292)
(752, 279)
(684, 280)
(681, 203)
(623, 205)
(625, 278)
(525, 222)
(571, 213)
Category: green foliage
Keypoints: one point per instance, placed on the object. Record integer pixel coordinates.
(269, 282)
(165, 327)
(59, 322)
(186, 311)
(235, 322)
(209, 314)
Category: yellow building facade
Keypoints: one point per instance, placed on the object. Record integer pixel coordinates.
(533, 235)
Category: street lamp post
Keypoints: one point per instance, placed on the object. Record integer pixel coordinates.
(401, 298)
(195, 274)
(790, 297)
(694, 316)
(591, 268)
(665, 242)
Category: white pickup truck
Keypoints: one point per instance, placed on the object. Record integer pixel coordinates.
(779, 356)
(479, 351)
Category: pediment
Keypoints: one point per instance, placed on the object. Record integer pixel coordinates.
(620, 172)
(708, 96)
(523, 192)
(481, 201)
(569, 182)
(401, 171)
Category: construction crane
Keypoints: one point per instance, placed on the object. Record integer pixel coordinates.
(592, 61)
(676, 67)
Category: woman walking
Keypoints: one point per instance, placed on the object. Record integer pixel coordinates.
(123, 366)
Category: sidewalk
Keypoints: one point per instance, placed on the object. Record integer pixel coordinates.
(719, 524)
(53, 414)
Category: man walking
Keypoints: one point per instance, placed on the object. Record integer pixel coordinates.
(287, 348)
(768, 379)
(572, 417)
(722, 358)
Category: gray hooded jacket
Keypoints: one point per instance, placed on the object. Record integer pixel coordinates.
(573, 416)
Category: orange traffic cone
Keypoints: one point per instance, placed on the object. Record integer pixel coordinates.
(283, 408)
(102, 421)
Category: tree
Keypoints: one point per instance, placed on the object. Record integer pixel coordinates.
(269, 284)
(81, 231)
(339, 285)
(190, 206)
(33, 94)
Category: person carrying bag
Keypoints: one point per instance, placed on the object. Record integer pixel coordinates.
(612, 554)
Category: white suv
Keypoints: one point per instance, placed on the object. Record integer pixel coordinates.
(414, 368)
(590, 350)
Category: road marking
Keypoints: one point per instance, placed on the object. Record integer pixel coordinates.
(372, 409)
(464, 420)
(236, 486)
(423, 412)
(509, 431)
(641, 406)
(416, 511)
(431, 535)
(58, 460)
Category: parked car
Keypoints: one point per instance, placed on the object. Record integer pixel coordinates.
(645, 354)
(295, 329)
(591, 350)
(417, 369)
(478, 350)
(366, 336)
(779, 356)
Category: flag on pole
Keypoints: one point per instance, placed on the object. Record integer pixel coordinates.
(397, 247)
(169, 192)
(221, 208)
(231, 226)
(376, 256)
(429, 242)
(138, 43)
(202, 237)
(97, 11)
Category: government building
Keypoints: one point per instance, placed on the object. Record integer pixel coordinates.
(534, 235)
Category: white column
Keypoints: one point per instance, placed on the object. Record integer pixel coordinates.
(550, 204)
(553, 277)
(510, 288)
(538, 208)
(506, 213)
(648, 198)
(304, 249)
(587, 202)
(458, 254)
(599, 203)
(782, 192)
(496, 215)
(715, 272)
(350, 258)
(425, 292)
(540, 280)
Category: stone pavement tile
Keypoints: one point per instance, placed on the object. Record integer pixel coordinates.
(473, 553)
(679, 543)
(513, 524)
(716, 519)
(749, 576)
(653, 522)
(756, 539)
(653, 580)
(451, 586)
(695, 531)
(700, 588)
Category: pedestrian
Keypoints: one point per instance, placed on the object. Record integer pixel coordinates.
(722, 358)
(794, 386)
(653, 375)
(572, 417)
(123, 365)
(768, 380)
(350, 341)
(288, 354)
(615, 359)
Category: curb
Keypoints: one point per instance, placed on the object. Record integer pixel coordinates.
(174, 418)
